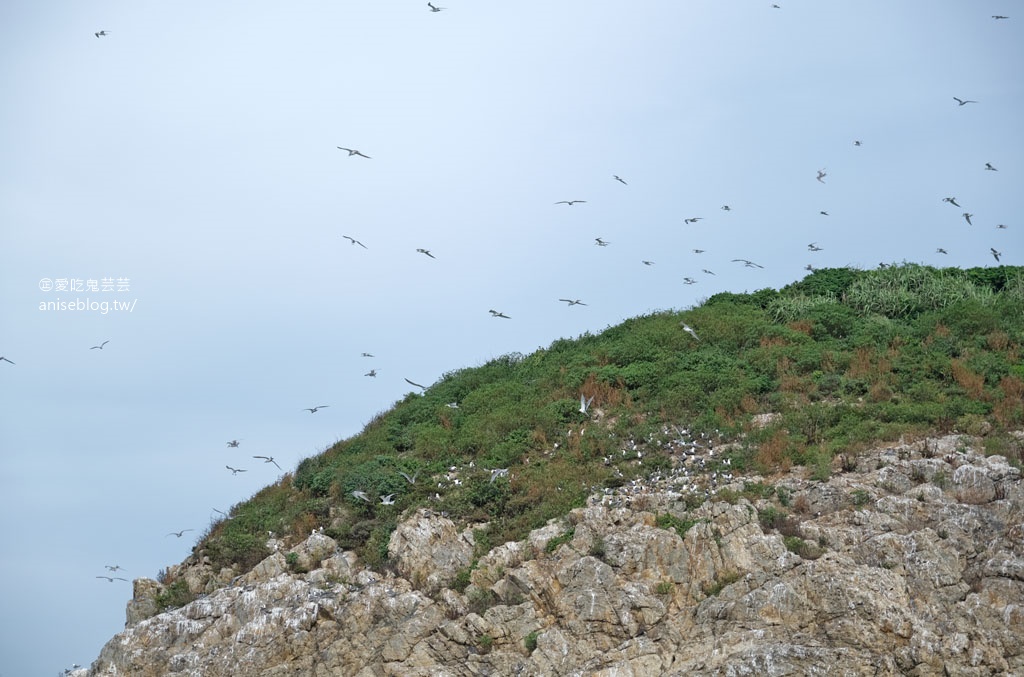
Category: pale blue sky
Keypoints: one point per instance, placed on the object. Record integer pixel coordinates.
(193, 151)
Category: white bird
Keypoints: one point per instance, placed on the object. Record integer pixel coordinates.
(353, 151)
(315, 409)
(748, 264)
(498, 472)
(573, 302)
(361, 495)
(235, 471)
(415, 384)
(585, 403)
(100, 346)
(410, 480)
(268, 459)
(111, 579)
(689, 330)
(388, 500)
(179, 533)
(114, 567)
(354, 241)
(452, 405)
(963, 102)
(224, 514)
(569, 202)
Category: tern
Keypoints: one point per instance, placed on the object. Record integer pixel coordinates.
(388, 500)
(221, 512)
(693, 219)
(315, 409)
(427, 252)
(101, 34)
(372, 373)
(353, 151)
(963, 102)
(415, 384)
(367, 355)
(114, 567)
(689, 330)
(435, 9)
(568, 202)
(821, 175)
(601, 243)
(995, 253)
(990, 168)
(1001, 226)
(234, 443)
(698, 251)
(748, 264)
(498, 472)
(178, 533)
(967, 217)
(495, 313)
(585, 403)
(726, 208)
(999, 16)
(4, 359)
(354, 241)
(823, 213)
(813, 247)
(689, 280)
(647, 263)
(410, 480)
(100, 346)
(705, 270)
(235, 471)
(573, 302)
(268, 459)
(810, 268)
(361, 495)
(111, 579)
(617, 178)
(951, 200)
(940, 250)
(857, 143)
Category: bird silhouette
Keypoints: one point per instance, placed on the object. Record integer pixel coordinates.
(354, 241)
(585, 403)
(235, 471)
(372, 373)
(693, 219)
(1001, 226)
(101, 34)
(990, 168)
(689, 330)
(951, 200)
(726, 208)
(111, 579)
(415, 384)
(940, 250)
(315, 409)
(857, 143)
(234, 443)
(367, 355)
(114, 567)
(435, 9)
(967, 217)
(179, 533)
(821, 175)
(813, 247)
(647, 263)
(100, 346)
(963, 102)
(689, 280)
(4, 359)
(353, 151)
(601, 243)
(995, 253)
(268, 459)
(999, 16)
(573, 302)
(823, 213)
(748, 264)
(698, 251)
(427, 252)
(361, 495)
(569, 202)
(705, 270)
(495, 313)
(617, 178)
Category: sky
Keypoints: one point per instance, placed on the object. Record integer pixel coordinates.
(186, 165)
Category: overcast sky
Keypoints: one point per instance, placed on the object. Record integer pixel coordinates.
(190, 157)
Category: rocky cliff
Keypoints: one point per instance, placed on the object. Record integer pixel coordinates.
(907, 560)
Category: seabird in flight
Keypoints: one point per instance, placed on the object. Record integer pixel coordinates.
(616, 177)
(813, 247)
(354, 241)
(498, 472)
(111, 579)
(115, 567)
(693, 219)
(415, 384)
(821, 175)
(234, 443)
(940, 250)
(726, 208)
(968, 218)
(951, 200)
(495, 313)
(179, 533)
(568, 202)
(101, 34)
(573, 302)
(313, 410)
(963, 102)
(689, 330)
(361, 495)
(100, 346)
(353, 151)
(410, 480)
(748, 264)
(990, 168)
(999, 16)
(698, 251)
(995, 253)
(388, 500)
(689, 280)
(705, 270)
(601, 243)
(585, 403)
(647, 263)
(857, 143)
(4, 359)
(435, 9)
(268, 459)
(372, 373)
(235, 471)
(427, 252)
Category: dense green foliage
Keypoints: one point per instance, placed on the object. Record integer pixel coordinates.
(845, 358)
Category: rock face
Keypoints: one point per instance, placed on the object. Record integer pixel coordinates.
(910, 564)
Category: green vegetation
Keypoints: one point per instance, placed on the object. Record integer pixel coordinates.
(173, 596)
(845, 358)
(530, 641)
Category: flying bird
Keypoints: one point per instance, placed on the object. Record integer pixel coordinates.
(178, 533)
(568, 202)
(990, 168)
(617, 178)
(1001, 226)
(995, 253)
(435, 9)
(495, 313)
(951, 200)
(221, 512)
(388, 500)
(354, 241)
(999, 16)
(100, 346)
(705, 270)
(234, 443)
(940, 250)
(823, 213)
(810, 268)
(748, 264)
(585, 403)
(268, 459)
(315, 409)
(410, 480)
(235, 471)
(573, 302)
(857, 143)
(693, 219)
(111, 579)
(367, 355)
(353, 151)
(372, 373)
(427, 252)
(114, 567)
(813, 247)
(698, 251)
(361, 495)
(101, 34)
(689, 280)
(415, 384)
(963, 102)
(726, 208)
(647, 263)
(498, 472)
(4, 359)
(821, 175)
(967, 217)
(689, 330)
(601, 243)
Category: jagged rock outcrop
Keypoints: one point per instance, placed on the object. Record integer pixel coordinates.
(912, 562)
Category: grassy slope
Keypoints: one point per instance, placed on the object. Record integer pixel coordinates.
(847, 358)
